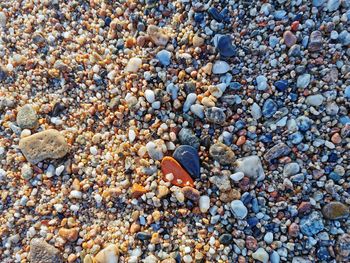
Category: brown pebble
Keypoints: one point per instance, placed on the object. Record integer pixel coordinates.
(191, 193)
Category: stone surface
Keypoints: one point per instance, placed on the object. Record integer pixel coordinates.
(173, 172)
(204, 203)
(312, 224)
(343, 247)
(133, 65)
(42, 252)
(158, 35)
(188, 157)
(335, 210)
(220, 67)
(222, 153)
(315, 42)
(109, 254)
(225, 47)
(250, 166)
(303, 81)
(187, 137)
(49, 144)
(238, 209)
(280, 149)
(289, 38)
(164, 57)
(27, 117)
(191, 193)
(215, 115)
(261, 255)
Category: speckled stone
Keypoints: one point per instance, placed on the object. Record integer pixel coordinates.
(42, 252)
(222, 153)
(335, 210)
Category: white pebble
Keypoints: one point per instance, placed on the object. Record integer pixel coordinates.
(204, 203)
(150, 96)
(59, 170)
(237, 176)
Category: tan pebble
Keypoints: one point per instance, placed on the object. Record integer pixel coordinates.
(134, 228)
(108, 254)
(169, 260)
(207, 69)
(156, 215)
(158, 35)
(69, 234)
(72, 258)
(162, 191)
(336, 138)
(155, 238)
(241, 140)
(88, 259)
(197, 41)
(191, 193)
(208, 102)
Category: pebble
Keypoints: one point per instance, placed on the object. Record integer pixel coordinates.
(164, 57)
(49, 144)
(274, 257)
(268, 238)
(303, 81)
(261, 82)
(155, 150)
(278, 150)
(108, 255)
(133, 65)
(188, 157)
(191, 193)
(335, 210)
(256, 111)
(289, 38)
(238, 209)
(312, 224)
(343, 246)
(158, 35)
(315, 100)
(41, 251)
(173, 172)
(198, 110)
(251, 167)
(291, 169)
(204, 203)
(215, 115)
(315, 41)
(26, 172)
(70, 234)
(225, 239)
(190, 99)
(269, 108)
(220, 67)
(222, 153)
(261, 255)
(333, 5)
(225, 47)
(237, 176)
(27, 117)
(150, 96)
(187, 137)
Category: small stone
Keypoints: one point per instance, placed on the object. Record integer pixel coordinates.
(187, 137)
(274, 257)
(261, 82)
(225, 47)
(315, 100)
(289, 38)
(155, 150)
(190, 99)
(291, 169)
(220, 67)
(188, 157)
(222, 182)
(251, 167)
(293, 230)
(204, 203)
(261, 255)
(173, 172)
(69, 234)
(138, 190)
(281, 85)
(238, 209)
(315, 42)
(268, 238)
(43, 145)
(198, 110)
(109, 254)
(164, 57)
(215, 115)
(277, 151)
(269, 108)
(27, 117)
(237, 176)
(344, 38)
(162, 191)
(197, 41)
(222, 153)
(26, 172)
(343, 247)
(150, 96)
(333, 5)
(303, 81)
(256, 111)
(225, 239)
(3, 19)
(312, 224)
(133, 65)
(42, 252)
(158, 35)
(143, 236)
(191, 193)
(335, 210)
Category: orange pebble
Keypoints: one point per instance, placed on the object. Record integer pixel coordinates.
(241, 140)
(138, 190)
(180, 177)
(295, 25)
(336, 138)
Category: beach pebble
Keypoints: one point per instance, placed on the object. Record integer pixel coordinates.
(222, 153)
(26, 172)
(188, 157)
(291, 169)
(225, 47)
(278, 150)
(134, 64)
(164, 57)
(251, 167)
(256, 111)
(150, 96)
(49, 144)
(220, 67)
(335, 210)
(204, 203)
(315, 41)
(215, 115)
(109, 254)
(198, 110)
(41, 251)
(261, 82)
(303, 81)
(238, 209)
(269, 108)
(311, 224)
(237, 176)
(333, 5)
(187, 137)
(155, 150)
(190, 99)
(27, 117)
(315, 100)
(261, 255)
(289, 38)
(158, 35)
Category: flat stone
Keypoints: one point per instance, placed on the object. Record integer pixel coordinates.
(188, 157)
(291, 169)
(269, 108)
(335, 210)
(343, 247)
(222, 153)
(42, 252)
(289, 38)
(27, 117)
(134, 64)
(109, 254)
(280, 149)
(238, 209)
(220, 67)
(173, 172)
(215, 115)
(49, 144)
(303, 81)
(256, 111)
(316, 41)
(251, 167)
(225, 239)
(312, 224)
(191, 193)
(187, 137)
(225, 47)
(164, 57)
(158, 35)
(333, 5)
(261, 82)
(261, 255)
(315, 100)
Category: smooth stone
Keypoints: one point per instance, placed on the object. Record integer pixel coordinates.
(220, 67)
(188, 157)
(238, 209)
(225, 47)
(261, 255)
(49, 144)
(335, 210)
(155, 149)
(197, 110)
(278, 150)
(191, 193)
(172, 90)
(344, 38)
(318, 3)
(187, 137)
(304, 123)
(251, 167)
(303, 81)
(275, 257)
(296, 137)
(291, 169)
(289, 38)
(42, 252)
(237, 176)
(27, 117)
(273, 41)
(215, 115)
(294, 51)
(190, 99)
(158, 35)
(269, 108)
(222, 153)
(214, 13)
(164, 57)
(280, 14)
(347, 92)
(133, 65)
(268, 238)
(173, 172)
(312, 224)
(261, 82)
(315, 41)
(204, 203)
(333, 5)
(256, 111)
(150, 96)
(143, 236)
(225, 239)
(315, 100)
(281, 85)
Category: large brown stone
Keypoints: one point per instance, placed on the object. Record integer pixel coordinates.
(49, 144)
(42, 252)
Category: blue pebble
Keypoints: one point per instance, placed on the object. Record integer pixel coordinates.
(198, 17)
(269, 108)
(235, 85)
(214, 13)
(298, 17)
(328, 169)
(344, 120)
(266, 138)
(296, 137)
(303, 123)
(293, 96)
(255, 205)
(347, 92)
(251, 135)
(274, 257)
(305, 41)
(142, 220)
(225, 47)
(318, 3)
(225, 15)
(281, 85)
(188, 157)
(252, 221)
(239, 125)
(273, 41)
(323, 254)
(164, 57)
(333, 157)
(108, 21)
(312, 224)
(334, 176)
(246, 198)
(280, 14)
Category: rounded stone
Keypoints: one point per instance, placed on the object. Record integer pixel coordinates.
(238, 209)
(335, 210)
(188, 157)
(27, 117)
